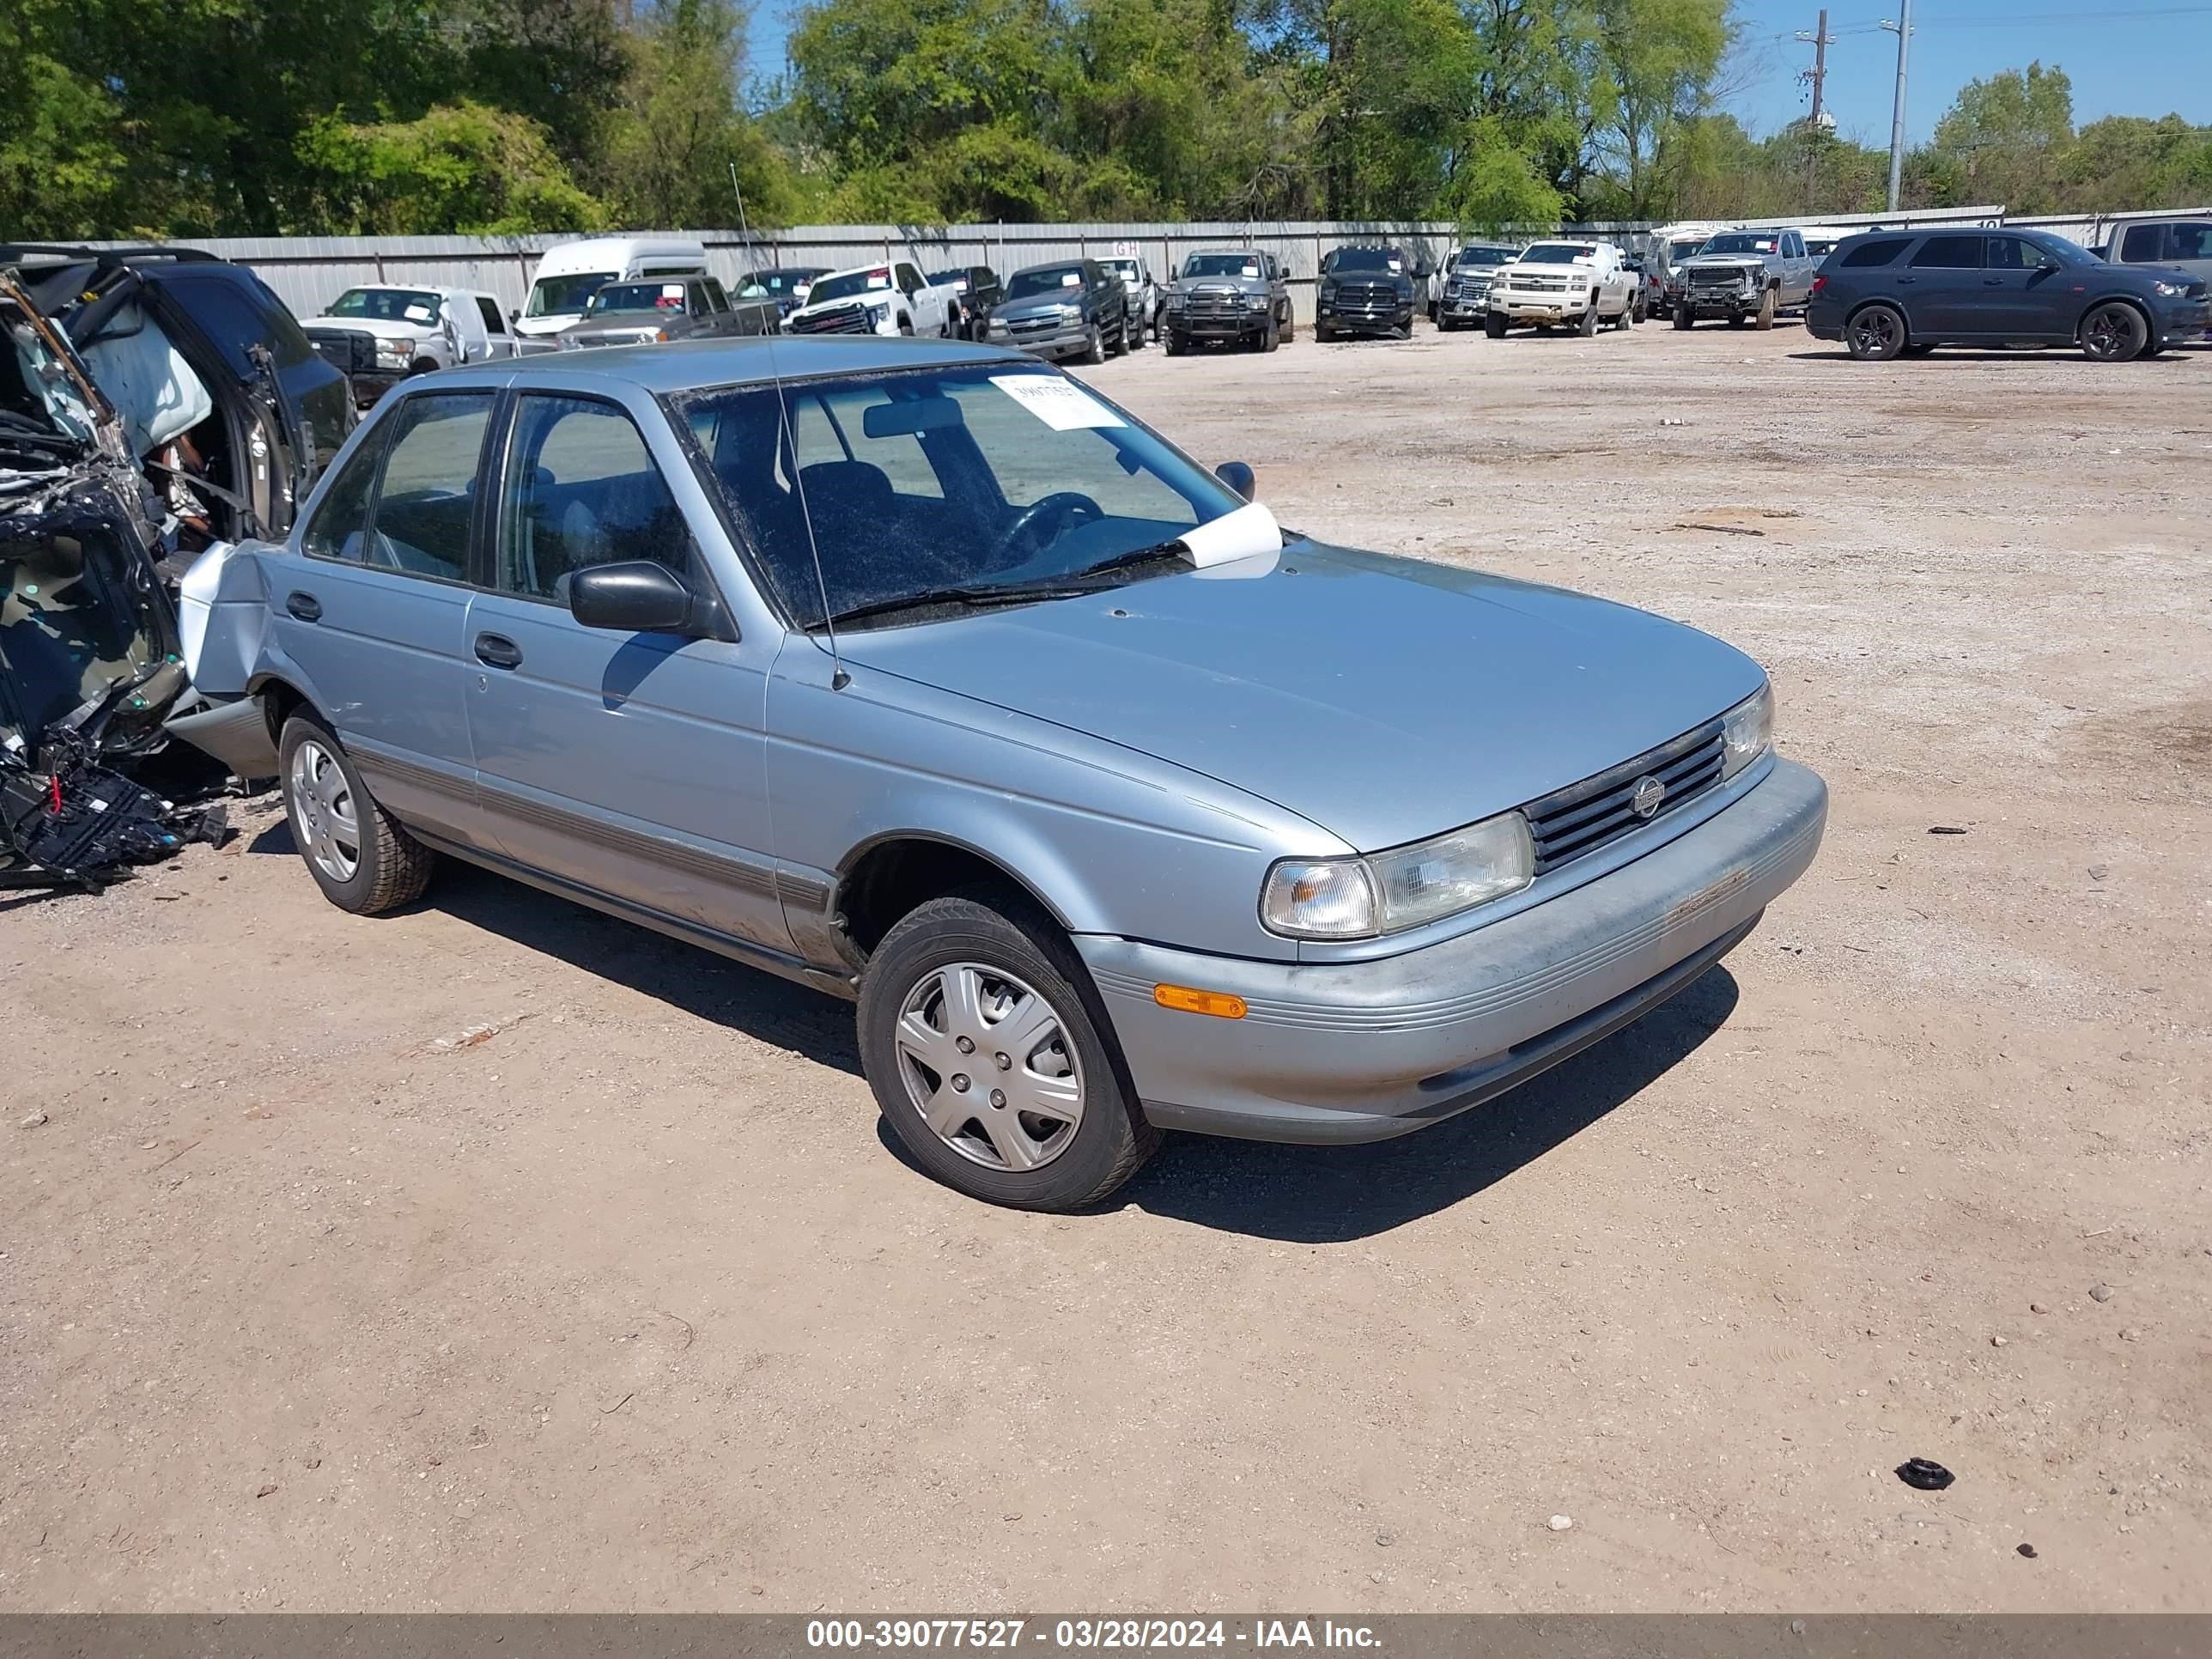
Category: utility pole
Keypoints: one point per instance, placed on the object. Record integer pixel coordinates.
(1903, 28)
(1821, 41)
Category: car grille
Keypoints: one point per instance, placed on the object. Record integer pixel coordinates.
(1583, 816)
(346, 350)
(838, 320)
(1537, 284)
(1367, 297)
(1215, 303)
(1704, 277)
(1046, 323)
(1467, 288)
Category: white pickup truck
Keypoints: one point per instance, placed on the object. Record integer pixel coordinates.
(381, 333)
(1557, 284)
(890, 298)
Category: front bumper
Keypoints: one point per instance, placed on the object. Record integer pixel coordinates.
(1737, 301)
(1218, 324)
(1364, 319)
(1541, 307)
(1341, 1053)
(1065, 339)
(2185, 322)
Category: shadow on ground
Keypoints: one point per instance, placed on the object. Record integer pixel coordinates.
(1299, 1195)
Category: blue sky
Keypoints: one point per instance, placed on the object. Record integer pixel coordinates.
(2125, 56)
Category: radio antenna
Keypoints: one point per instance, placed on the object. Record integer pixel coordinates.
(787, 439)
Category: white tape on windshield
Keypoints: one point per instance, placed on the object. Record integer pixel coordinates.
(1060, 404)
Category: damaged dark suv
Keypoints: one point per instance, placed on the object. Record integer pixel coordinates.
(152, 409)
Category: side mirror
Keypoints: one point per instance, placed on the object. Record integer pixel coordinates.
(1238, 475)
(641, 596)
(514, 315)
(1423, 270)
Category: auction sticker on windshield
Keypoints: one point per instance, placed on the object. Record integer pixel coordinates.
(1060, 404)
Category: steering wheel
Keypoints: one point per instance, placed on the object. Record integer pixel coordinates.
(1071, 505)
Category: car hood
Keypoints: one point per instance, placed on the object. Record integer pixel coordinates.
(1707, 261)
(624, 322)
(1218, 285)
(1038, 305)
(382, 328)
(1545, 269)
(1383, 699)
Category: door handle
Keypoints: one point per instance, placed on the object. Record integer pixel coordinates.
(1992, 281)
(1906, 281)
(306, 606)
(497, 651)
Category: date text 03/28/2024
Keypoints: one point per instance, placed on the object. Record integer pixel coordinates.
(1086, 1633)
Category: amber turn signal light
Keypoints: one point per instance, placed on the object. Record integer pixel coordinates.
(1219, 1003)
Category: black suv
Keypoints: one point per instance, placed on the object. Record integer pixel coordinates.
(1366, 290)
(280, 410)
(978, 289)
(1892, 293)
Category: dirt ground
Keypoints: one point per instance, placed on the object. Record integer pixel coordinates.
(310, 1298)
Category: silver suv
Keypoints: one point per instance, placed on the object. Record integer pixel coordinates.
(918, 673)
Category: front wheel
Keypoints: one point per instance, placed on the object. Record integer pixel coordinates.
(1272, 336)
(1094, 346)
(1586, 325)
(1493, 325)
(358, 854)
(990, 1062)
(1766, 308)
(1682, 317)
(1177, 346)
(2114, 333)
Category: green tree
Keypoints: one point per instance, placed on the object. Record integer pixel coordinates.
(2004, 140)
(677, 137)
(464, 168)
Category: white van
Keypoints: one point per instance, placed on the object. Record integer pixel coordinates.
(570, 274)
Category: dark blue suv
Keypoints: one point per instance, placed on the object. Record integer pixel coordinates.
(1891, 292)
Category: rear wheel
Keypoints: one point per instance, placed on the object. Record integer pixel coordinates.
(990, 1060)
(358, 854)
(1876, 333)
(2114, 333)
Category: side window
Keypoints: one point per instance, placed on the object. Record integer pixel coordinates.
(1949, 254)
(2189, 241)
(1869, 254)
(2011, 253)
(2140, 245)
(716, 299)
(230, 320)
(582, 490)
(487, 308)
(1793, 245)
(909, 281)
(427, 500)
(337, 529)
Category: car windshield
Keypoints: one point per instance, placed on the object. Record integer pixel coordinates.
(1742, 241)
(1558, 253)
(637, 296)
(388, 305)
(781, 282)
(563, 296)
(1125, 268)
(1048, 279)
(2066, 252)
(1367, 259)
(1677, 251)
(1482, 256)
(925, 482)
(1221, 264)
(877, 279)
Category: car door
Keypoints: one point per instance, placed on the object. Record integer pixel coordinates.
(370, 602)
(1797, 269)
(2023, 297)
(633, 765)
(2140, 245)
(500, 340)
(471, 344)
(1942, 288)
(924, 304)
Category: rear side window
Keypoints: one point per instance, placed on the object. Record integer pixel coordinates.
(1868, 254)
(2140, 245)
(1949, 253)
(489, 308)
(426, 499)
(2192, 242)
(337, 529)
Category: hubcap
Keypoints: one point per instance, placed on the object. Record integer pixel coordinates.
(1873, 331)
(323, 807)
(964, 1019)
(2106, 334)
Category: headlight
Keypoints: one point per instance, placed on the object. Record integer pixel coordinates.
(880, 313)
(1176, 301)
(1256, 302)
(1746, 732)
(1329, 290)
(1389, 892)
(2170, 290)
(395, 347)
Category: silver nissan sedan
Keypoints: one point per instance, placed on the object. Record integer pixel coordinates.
(920, 673)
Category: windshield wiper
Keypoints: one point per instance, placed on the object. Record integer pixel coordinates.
(982, 596)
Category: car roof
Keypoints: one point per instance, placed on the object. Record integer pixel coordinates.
(1055, 265)
(758, 360)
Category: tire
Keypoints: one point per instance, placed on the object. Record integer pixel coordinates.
(1272, 336)
(1767, 304)
(1323, 333)
(906, 326)
(1289, 330)
(1875, 333)
(990, 952)
(1683, 319)
(1627, 318)
(1094, 346)
(1586, 325)
(1177, 344)
(2114, 332)
(1447, 326)
(324, 796)
(1493, 325)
